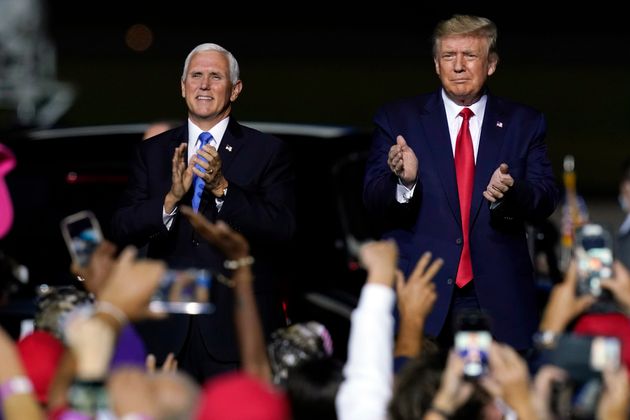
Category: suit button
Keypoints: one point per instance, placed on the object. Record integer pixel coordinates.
(449, 281)
(195, 242)
(458, 241)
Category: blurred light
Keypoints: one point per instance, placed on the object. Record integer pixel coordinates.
(353, 266)
(71, 177)
(139, 37)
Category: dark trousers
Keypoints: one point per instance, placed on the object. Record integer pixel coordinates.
(195, 360)
(464, 299)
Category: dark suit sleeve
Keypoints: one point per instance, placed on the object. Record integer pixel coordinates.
(535, 194)
(380, 184)
(139, 215)
(263, 208)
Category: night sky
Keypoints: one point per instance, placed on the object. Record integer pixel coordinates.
(311, 62)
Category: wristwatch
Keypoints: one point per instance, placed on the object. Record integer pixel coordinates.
(17, 385)
(87, 396)
(545, 340)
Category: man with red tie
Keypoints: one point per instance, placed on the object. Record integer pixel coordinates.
(460, 172)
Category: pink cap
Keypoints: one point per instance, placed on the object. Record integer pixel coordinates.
(7, 163)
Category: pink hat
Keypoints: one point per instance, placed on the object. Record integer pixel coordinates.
(238, 396)
(40, 353)
(7, 163)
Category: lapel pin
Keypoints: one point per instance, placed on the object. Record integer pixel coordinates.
(499, 124)
(228, 148)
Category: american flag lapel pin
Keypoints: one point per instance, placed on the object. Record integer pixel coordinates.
(228, 148)
(499, 124)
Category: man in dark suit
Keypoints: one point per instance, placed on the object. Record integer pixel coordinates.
(416, 184)
(245, 178)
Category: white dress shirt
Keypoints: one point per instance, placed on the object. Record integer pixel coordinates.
(404, 194)
(217, 133)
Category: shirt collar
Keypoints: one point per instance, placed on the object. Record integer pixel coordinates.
(217, 132)
(453, 109)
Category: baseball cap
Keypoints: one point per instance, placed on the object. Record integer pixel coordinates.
(40, 353)
(239, 396)
(7, 163)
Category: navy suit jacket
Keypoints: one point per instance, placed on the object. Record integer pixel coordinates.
(431, 221)
(259, 204)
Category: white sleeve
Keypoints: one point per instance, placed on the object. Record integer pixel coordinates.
(368, 374)
(167, 218)
(404, 194)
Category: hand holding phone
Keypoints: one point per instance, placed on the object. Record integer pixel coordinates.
(472, 343)
(82, 234)
(183, 291)
(594, 259)
(584, 357)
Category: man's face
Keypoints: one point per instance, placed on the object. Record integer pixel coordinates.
(207, 88)
(463, 65)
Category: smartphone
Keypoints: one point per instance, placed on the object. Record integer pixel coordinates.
(605, 353)
(594, 255)
(472, 343)
(584, 357)
(183, 291)
(82, 234)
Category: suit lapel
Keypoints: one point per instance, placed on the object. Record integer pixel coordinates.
(438, 139)
(492, 136)
(230, 145)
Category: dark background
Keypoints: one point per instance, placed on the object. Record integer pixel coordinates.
(335, 63)
(311, 62)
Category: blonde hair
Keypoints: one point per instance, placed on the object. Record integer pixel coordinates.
(467, 25)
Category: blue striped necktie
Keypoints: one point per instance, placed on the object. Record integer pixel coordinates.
(198, 183)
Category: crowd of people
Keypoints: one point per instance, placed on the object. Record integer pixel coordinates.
(455, 177)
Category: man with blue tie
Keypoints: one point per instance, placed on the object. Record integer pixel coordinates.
(228, 172)
(459, 172)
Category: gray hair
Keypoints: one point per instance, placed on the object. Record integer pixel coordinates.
(234, 69)
(466, 25)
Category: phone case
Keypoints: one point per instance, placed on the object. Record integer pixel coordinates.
(82, 234)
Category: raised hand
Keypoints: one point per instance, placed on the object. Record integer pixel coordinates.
(500, 182)
(416, 298)
(131, 284)
(563, 304)
(619, 284)
(181, 178)
(99, 268)
(207, 165)
(380, 258)
(403, 162)
(233, 245)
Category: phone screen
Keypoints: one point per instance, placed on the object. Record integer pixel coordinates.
(473, 347)
(605, 353)
(583, 356)
(472, 342)
(82, 234)
(184, 291)
(594, 258)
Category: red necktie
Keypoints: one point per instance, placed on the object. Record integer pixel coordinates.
(465, 170)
